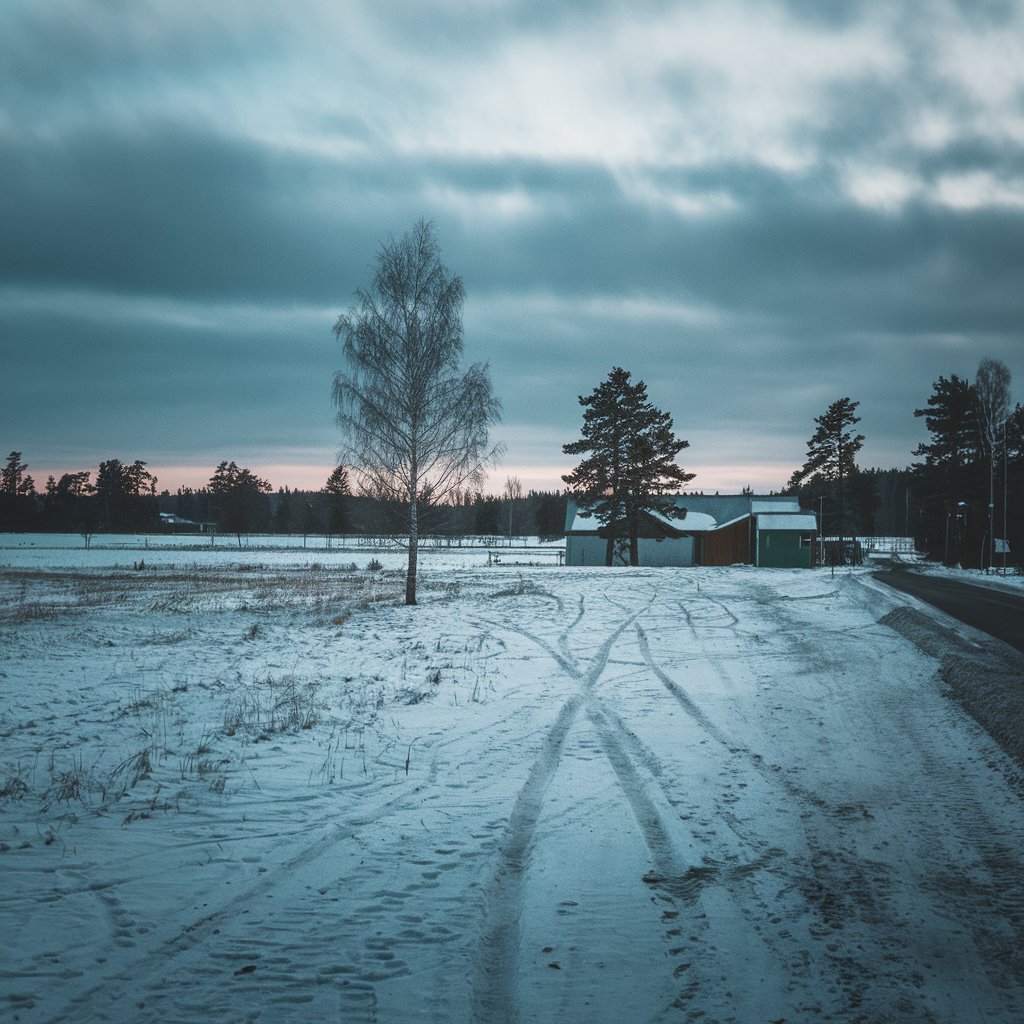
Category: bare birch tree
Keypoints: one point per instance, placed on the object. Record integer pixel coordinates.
(992, 393)
(415, 426)
(512, 499)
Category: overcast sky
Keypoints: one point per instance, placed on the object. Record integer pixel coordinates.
(755, 207)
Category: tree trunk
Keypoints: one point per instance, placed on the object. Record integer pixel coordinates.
(609, 549)
(414, 542)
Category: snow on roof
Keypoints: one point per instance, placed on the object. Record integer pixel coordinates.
(738, 519)
(787, 521)
(721, 510)
(775, 504)
(695, 522)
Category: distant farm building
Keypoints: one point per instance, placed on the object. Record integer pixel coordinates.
(176, 524)
(715, 529)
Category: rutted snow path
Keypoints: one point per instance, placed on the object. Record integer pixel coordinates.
(717, 795)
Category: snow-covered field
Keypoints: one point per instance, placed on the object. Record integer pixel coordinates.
(240, 788)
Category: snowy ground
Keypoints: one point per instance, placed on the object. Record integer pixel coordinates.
(235, 790)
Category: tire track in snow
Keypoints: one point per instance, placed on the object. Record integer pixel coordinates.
(833, 883)
(494, 995)
(771, 772)
(639, 775)
(684, 868)
(563, 640)
(623, 750)
(681, 696)
(494, 992)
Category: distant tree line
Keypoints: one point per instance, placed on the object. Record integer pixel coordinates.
(123, 498)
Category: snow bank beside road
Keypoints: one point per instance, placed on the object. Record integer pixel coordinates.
(987, 681)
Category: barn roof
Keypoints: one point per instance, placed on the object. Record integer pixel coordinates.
(693, 522)
(775, 505)
(804, 521)
(719, 508)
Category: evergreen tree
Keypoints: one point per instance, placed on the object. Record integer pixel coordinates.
(896, 509)
(120, 490)
(548, 513)
(18, 509)
(339, 491)
(630, 464)
(68, 503)
(952, 420)
(951, 472)
(13, 478)
(487, 515)
(282, 518)
(239, 498)
(70, 485)
(831, 455)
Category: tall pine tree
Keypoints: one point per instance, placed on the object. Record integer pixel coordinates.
(952, 420)
(340, 491)
(831, 455)
(630, 465)
(952, 468)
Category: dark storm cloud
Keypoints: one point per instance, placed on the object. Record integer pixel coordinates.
(176, 211)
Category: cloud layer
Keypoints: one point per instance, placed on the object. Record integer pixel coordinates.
(755, 207)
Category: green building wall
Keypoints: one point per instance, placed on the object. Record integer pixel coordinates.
(780, 549)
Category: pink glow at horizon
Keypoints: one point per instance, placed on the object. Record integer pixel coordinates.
(726, 479)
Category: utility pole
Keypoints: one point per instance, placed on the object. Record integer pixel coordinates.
(821, 527)
(991, 507)
(1006, 485)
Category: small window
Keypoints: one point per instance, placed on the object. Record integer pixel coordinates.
(805, 540)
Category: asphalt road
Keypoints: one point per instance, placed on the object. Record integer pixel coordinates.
(986, 608)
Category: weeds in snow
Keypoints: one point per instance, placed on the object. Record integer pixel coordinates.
(408, 695)
(522, 588)
(15, 788)
(271, 706)
(29, 611)
(135, 768)
(67, 784)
